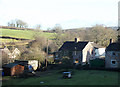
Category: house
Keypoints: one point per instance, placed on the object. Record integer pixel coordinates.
(112, 55)
(7, 56)
(5, 53)
(79, 51)
(13, 69)
(15, 53)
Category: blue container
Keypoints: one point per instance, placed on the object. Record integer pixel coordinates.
(2, 73)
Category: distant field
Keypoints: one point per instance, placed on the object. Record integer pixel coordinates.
(80, 77)
(8, 40)
(26, 34)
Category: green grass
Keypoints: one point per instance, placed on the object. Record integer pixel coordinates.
(8, 40)
(26, 34)
(80, 77)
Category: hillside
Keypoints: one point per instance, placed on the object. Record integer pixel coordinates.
(26, 34)
(21, 34)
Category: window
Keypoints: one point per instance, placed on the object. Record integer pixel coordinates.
(113, 53)
(75, 53)
(113, 62)
(76, 61)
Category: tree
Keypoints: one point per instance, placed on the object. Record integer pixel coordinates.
(57, 28)
(11, 24)
(35, 49)
(17, 23)
(20, 23)
(101, 35)
(5, 58)
(38, 26)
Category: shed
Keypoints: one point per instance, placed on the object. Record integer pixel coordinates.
(33, 63)
(13, 69)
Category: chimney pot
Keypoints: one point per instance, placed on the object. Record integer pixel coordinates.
(111, 41)
(77, 39)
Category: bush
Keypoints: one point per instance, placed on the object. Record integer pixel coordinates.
(67, 64)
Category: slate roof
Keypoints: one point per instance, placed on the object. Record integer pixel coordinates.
(10, 65)
(113, 47)
(72, 45)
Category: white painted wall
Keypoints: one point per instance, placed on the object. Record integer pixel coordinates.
(100, 52)
(86, 52)
(33, 63)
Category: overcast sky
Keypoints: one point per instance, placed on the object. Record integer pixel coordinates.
(67, 13)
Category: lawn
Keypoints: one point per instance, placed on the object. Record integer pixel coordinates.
(80, 77)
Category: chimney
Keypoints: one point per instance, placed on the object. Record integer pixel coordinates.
(111, 41)
(76, 40)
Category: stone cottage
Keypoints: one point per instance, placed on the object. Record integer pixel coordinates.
(112, 56)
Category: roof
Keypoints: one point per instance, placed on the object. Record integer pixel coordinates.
(10, 65)
(96, 45)
(21, 62)
(113, 47)
(72, 45)
(6, 50)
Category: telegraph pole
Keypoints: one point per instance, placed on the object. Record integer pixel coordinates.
(47, 52)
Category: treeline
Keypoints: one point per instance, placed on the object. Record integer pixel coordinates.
(98, 34)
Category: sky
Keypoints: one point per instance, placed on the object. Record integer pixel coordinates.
(68, 13)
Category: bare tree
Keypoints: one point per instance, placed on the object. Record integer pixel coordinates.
(18, 23)
(38, 26)
(57, 28)
(21, 23)
(101, 35)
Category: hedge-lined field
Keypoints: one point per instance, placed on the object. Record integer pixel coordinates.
(26, 34)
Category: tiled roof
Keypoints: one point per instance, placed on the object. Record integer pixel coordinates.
(113, 47)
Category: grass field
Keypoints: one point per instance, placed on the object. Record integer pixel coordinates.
(26, 34)
(8, 40)
(80, 77)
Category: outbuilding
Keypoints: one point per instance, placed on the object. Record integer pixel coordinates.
(13, 69)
